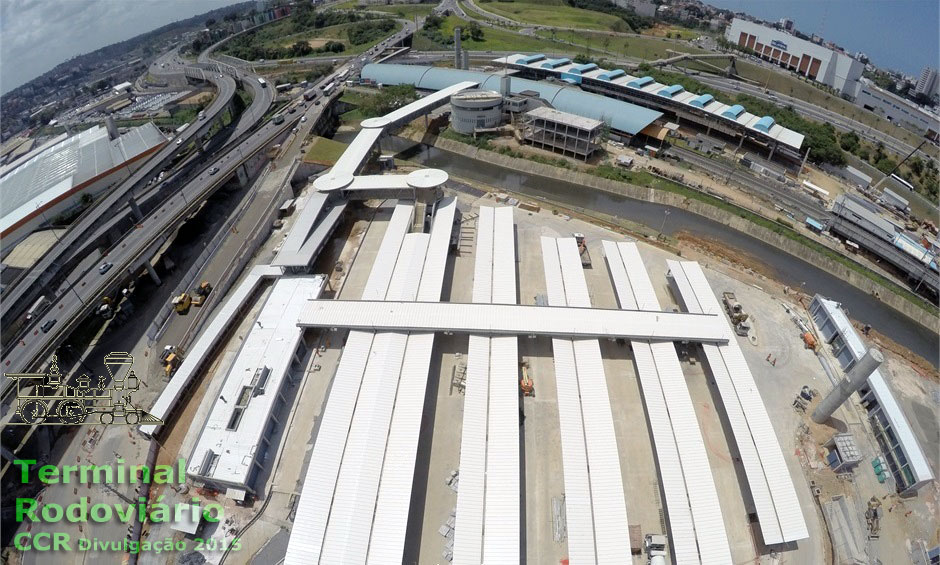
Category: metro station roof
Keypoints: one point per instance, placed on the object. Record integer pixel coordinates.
(622, 116)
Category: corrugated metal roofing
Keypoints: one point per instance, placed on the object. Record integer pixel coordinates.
(739, 388)
(349, 527)
(660, 372)
(64, 165)
(306, 540)
(622, 116)
(578, 503)
(512, 319)
(270, 344)
(387, 542)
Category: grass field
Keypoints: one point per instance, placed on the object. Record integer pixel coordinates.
(324, 151)
(551, 14)
(493, 40)
(648, 48)
(320, 36)
(667, 30)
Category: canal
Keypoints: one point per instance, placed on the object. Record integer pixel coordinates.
(784, 267)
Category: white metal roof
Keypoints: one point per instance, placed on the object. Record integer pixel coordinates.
(609, 506)
(270, 343)
(313, 508)
(553, 115)
(879, 387)
(503, 319)
(349, 527)
(501, 506)
(489, 449)
(579, 510)
(357, 152)
(392, 505)
(670, 407)
(468, 534)
(206, 342)
(49, 174)
(736, 386)
(303, 225)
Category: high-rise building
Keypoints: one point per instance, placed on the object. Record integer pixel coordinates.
(786, 23)
(927, 83)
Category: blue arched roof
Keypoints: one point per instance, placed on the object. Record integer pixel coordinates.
(671, 91)
(530, 59)
(552, 63)
(640, 82)
(764, 124)
(622, 116)
(702, 101)
(583, 68)
(733, 112)
(608, 75)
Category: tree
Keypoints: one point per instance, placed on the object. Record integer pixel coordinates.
(916, 165)
(475, 31)
(210, 22)
(231, 17)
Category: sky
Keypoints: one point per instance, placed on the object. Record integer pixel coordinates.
(901, 35)
(37, 35)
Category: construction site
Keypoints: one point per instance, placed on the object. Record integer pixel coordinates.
(478, 378)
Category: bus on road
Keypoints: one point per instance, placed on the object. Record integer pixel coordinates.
(328, 88)
(37, 308)
(262, 82)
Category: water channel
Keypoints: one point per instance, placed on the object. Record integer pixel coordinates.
(785, 268)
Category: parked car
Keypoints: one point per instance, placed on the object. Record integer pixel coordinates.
(104, 267)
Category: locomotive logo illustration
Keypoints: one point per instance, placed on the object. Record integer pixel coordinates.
(45, 399)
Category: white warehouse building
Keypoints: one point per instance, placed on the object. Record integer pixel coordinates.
(475, 109)
(819, 63)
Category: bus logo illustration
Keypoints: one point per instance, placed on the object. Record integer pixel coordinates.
(44, 399)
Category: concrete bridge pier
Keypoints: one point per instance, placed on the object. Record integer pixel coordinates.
(135, 209)
(153, 273)
(242, 173)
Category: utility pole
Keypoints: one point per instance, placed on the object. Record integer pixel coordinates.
(898, 166)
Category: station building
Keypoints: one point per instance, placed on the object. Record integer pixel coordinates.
(824, 65)
(51, 179)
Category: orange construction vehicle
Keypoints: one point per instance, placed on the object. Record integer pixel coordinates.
(809, 340)
(526, 384)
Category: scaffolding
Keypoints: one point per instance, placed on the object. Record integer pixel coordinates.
(571, 135)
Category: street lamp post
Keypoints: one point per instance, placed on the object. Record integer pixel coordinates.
(665, 216)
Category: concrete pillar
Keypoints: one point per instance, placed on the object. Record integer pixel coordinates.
(457, 50)
(772, 149)
(854, 379)
(153, 273)
(242, 174)
(135, 209)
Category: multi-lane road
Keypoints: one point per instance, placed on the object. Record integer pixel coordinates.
(18, 295)
(86, 285)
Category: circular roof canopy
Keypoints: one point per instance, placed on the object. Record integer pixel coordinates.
(379, 122)
(427, 178)
(332, 181)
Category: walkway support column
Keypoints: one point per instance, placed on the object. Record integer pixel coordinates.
(153, 273)
(854, 379)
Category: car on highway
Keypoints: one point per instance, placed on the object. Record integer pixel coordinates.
(316, 103)
(179, 141)
(213, 170)
(47, 325)
(104, 267)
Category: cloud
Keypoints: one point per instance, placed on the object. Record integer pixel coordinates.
(37, 35)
